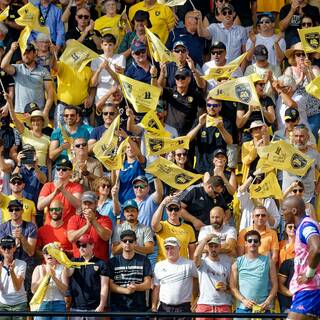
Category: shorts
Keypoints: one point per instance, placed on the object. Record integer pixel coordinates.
(213, 309)
(306, 302)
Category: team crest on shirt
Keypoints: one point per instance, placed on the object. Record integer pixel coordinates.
(95, 268)
(297, 161)
(217, 134)
(182, 178)
(243, 92)
(157, 13)
(203, 134)
(313, 39)
(190, 99)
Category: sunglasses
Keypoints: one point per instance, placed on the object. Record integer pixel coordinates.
(252, 240)
(69, 115)
(290, 227)
(297, 190)
(141, 186)
(175, 209)
(81, 245)
(18, 182)
(264, 22)
(213, 105)
(63, 169)
(179, 50)
(83, 16)
(127, 241)
(111, 113)
(227, 13)
(306, 24)
(182, 154)
(78, 145)
(261, 84)
(55, 209)
(137, 53)
(300, 54)
(262, 215)
(17, 209)
(218, 52)
(105, 186)
(180, 78)
(6, 247)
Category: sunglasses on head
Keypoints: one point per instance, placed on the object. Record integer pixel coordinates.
(18, 182)
(306, 24)
(297, 190)
(180, 77)
(175, 209)
(300, 54)
(108, 113)
(6, 247)
(141, 186)
(83, 16)
(127, 241)
(213, 105)
(142, 51)
(227, 13)
(55, 209)
(81, 245)
(14, 209)
(78, 145)
(252, 240)
(64, 169)
(180, 50)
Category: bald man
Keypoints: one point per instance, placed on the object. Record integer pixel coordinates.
(305, 283)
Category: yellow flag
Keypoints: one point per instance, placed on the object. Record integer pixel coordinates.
(225, 71)
(313, 88)
(172, 3)
(23, 39)
(108, 143)
(4, 14)
(283, 156)
(239, 90)
(29, 17)
(158, 50)
(269, 187)
(115, 162)
(144, 97)
(157, 145)
(171, 174)
(152, 124)
(211, 121)
(310, 38)
(66, 138)
(40, 293)
(77, 56)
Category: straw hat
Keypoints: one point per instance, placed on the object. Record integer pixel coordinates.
(296, 47)
(37, 113)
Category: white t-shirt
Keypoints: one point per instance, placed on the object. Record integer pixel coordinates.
(105, 81)
(175, 280)
(226, 233)
(210, 272)
(9, 295)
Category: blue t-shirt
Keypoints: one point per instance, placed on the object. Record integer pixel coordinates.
(97, 132)
(137, 73)
(147, 208)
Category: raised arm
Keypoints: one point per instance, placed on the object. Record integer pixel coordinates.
(5, 63)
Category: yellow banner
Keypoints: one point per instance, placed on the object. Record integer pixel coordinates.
(152, 124)
(172, 3)
(144, 97)
(77, 56)
(23, 39)
(66, 138)
(211, 121)
(238, 90)
(283, 156)
(156, 145)
(158, 50)
(4, 14)
(171, 174)
(29, 17)
(310, 38)
(313, 87)
(40, 293)
(268, 188)
(225, 71)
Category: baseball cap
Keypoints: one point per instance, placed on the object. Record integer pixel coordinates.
(89, 196)
(30, 107)
(131, 203)
(15, 203)
(140, 178)
(179, 43)
(137, 45)
(128, 233)
(16, 176)
(30, 47)
(183, 72)
(215, 239)
(227, 6)
(64, 163)
(172, 241)
(291, 114)
(28, 147)
(7, 241)
(141, 15)
(218, 45)
(85, 238)
(260, 52)
(220, 151)
(174, 201)
(256, 124)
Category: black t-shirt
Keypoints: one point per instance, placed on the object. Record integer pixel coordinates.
(286, 269)
(291, 35)
(229, 111)
(199, 204)
(7, 81)
(183, 110)
(243, 10)
(206, 142)
(123, 272)
(75, 33)
(85, 284)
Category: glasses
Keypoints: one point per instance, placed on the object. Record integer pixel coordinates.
(290, 227)
(17, 209)
(252, 240)
(83, 16)
(262, 215)
(78, 145)
(227, 13)
(175, 209)
(55, 209)
(213, 105)
(181, 78)
(105, 186)
(18, 182)
(81, 245)
(297, 190)
(141, 186)
(261, 84)
(6, 247)
(137, 53)
(300, 54)
(179, 50)
(63, 169)
(264, 22)
(127, 241)
(106, 113)
(218, 52)
(306, 24)
(69, 115)
(182, 154)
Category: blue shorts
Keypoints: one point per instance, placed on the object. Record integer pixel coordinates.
(306, 302)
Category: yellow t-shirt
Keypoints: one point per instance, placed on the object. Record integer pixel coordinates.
(40, 144)
(29, 209)
(72, 86)
(161, 17)
(184, 233)
(270, 6)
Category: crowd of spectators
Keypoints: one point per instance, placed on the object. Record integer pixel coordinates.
(210, 247)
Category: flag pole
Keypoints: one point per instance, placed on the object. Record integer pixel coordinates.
(2, 87)
(194, 8)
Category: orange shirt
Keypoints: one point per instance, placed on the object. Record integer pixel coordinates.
(285, 252)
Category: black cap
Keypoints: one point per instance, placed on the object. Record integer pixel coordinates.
(64, 163)
(15, 203)
(183, 72)
(227, 6)
(141, 15)
(128, 233)
(31, 106)
(218, 45)
(30, 47)
(28, 147)
(291, 114)
(220, 151)
(260, 52)
(16, 176)
(7, 241)
(140, 178)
